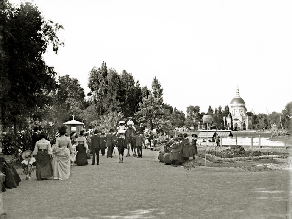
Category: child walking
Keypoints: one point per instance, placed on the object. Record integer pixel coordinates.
(28, 163)
(121, 145)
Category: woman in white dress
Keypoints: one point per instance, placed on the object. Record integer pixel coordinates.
(61, 156)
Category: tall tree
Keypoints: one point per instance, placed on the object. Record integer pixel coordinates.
(69, 98)
(151, 110)
(98, 84)
(25, 38)
(287, 116)
(193, 116)
(157, 90)
(129, 94)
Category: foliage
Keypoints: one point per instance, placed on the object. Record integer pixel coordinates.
(111, 91)
(68, 99)
(107, 121)
(28, 77)
(194, 118)
(15, 143)
(151, 111)
(287, 117)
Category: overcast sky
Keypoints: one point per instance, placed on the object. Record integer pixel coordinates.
(199, 50)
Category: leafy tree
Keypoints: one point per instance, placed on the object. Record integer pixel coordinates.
(98, 85)
(145, 91)
(151, 110)
(25, 38)
(157, 90)
(287, 116)
(210, 111)
(262, 121)
(168, 107)
(193, 116)
(177, 118)
(106, 122)
(69, 99)
(130, 94)
(218, 118)
(274, 118)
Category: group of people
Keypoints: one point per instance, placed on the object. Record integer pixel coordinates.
(55, 160)
(129, 139)
(181, 148)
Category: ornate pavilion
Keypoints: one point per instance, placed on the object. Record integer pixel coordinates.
(238, 113)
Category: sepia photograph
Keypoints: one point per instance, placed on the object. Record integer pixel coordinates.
(129, 109)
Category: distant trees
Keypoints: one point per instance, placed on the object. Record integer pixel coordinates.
(152, 111)
(194, 118)
(113, 92)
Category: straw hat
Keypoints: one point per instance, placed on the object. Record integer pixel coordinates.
(26, 154)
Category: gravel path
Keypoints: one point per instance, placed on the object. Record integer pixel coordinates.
(145, 188)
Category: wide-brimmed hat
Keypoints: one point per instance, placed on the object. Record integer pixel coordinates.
(26, 154)
(121, 122)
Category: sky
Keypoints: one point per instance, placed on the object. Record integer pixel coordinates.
(200, 51)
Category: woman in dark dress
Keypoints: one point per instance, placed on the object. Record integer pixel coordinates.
(82, 147)
(43, 152)
(12, 178)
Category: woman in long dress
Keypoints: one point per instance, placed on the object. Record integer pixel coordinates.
(61, 160)
(82, 147)
(43, 152)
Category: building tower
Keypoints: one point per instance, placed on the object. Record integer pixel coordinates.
(238, 112)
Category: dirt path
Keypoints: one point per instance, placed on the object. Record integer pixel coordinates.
(145, 188)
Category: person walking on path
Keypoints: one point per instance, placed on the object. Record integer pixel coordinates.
(61, 156)
(110, 143)
(102, 143)
(150, 140)
(140, 141)
(194, 145)
(74, 144)
(121, 145)
(95, 147)
(43, 152)
(82, 148)
(130, 140)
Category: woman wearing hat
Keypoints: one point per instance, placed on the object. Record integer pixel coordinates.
(43, 152)
(61, 160)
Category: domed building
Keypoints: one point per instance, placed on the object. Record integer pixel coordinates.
(238, 112)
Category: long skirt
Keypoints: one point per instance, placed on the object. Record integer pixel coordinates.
(44, 167)
(61, 164)
(81, 157)
(12, 178)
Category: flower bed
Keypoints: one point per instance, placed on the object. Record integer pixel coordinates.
(238, 152)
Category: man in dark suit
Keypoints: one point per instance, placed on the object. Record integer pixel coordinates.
(95, 146)
(34, 138)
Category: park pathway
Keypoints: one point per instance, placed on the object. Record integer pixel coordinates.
(145, 188)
